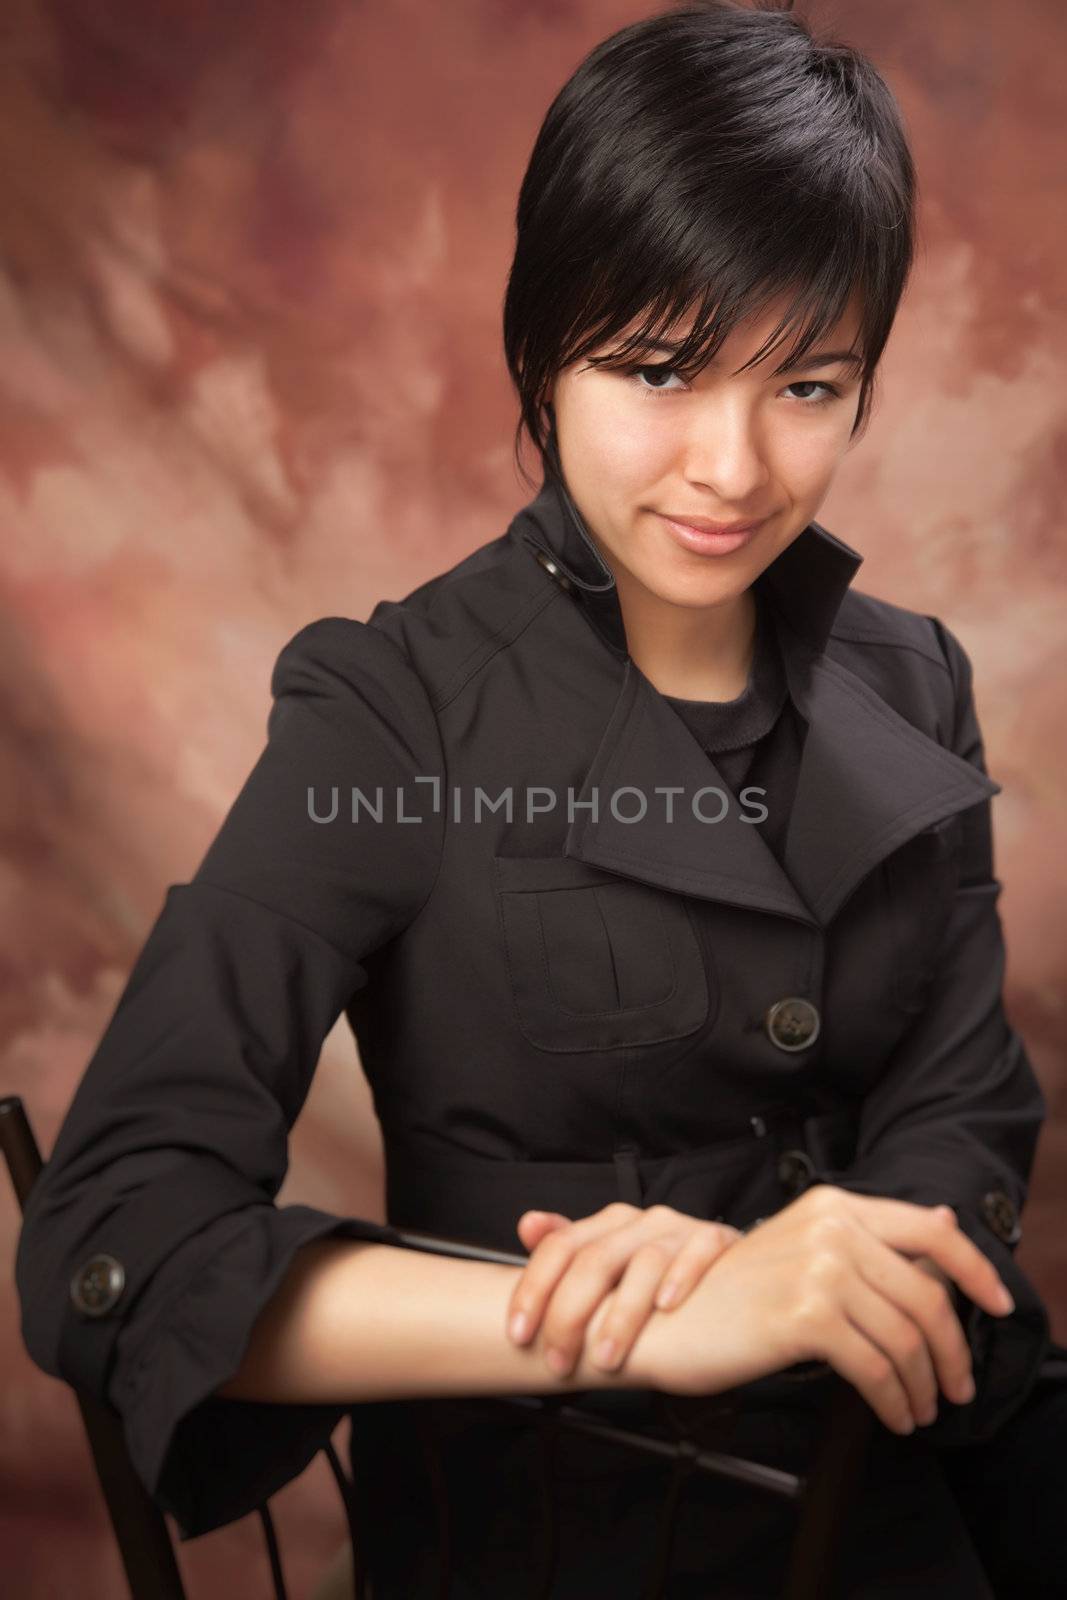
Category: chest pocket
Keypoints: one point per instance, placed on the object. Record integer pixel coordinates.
(920, 881)
(597, 962)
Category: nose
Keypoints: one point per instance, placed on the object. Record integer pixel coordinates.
(723, 453)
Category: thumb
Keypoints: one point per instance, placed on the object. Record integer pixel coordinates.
(533, 1226)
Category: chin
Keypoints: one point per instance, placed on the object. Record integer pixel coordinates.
(696, 592)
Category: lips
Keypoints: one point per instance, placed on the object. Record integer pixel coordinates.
(711, 539)
(705, 525)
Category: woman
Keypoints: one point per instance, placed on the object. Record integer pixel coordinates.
(683, 921)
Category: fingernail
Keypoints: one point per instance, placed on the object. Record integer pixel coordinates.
(966, 1391)
(518, 1326)
(605, 1353)
(1006, 1301)
(557, 1361)
(667, 1294)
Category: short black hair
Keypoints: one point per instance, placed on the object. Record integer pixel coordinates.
(711, 158)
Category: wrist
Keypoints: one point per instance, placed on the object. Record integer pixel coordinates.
(637, 1371)
(642, 1366)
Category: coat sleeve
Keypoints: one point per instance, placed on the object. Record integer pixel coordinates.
(956, 1115)
(174, 1145)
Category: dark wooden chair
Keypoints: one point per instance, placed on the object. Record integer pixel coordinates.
(822, 1497)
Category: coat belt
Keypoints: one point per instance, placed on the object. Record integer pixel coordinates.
(446, 1189)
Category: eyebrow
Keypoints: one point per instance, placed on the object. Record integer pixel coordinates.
(823, 358)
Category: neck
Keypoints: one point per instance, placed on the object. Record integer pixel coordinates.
(689, 652)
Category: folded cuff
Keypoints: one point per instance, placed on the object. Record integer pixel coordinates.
(205, 1459)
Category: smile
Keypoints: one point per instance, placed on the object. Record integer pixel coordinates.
(706, 543)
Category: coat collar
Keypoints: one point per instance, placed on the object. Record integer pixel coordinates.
(806, 583)
(869, 779)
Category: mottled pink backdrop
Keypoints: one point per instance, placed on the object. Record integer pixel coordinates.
(251, 374)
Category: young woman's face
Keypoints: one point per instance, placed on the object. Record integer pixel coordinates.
(640, 446)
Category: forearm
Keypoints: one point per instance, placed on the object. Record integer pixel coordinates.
(366, 1321)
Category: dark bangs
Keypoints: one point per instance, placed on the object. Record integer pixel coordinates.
(708, 161)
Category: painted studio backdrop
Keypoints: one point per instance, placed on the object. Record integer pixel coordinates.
(253, 261)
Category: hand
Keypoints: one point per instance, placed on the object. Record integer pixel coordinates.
(929, 1265)
(828, 1278)
(573, 1265)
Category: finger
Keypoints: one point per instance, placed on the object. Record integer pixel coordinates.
(637, 1276)
(533, 1225)
(868, 1369)
(702, 1247)
(900, 1338)
(942, 1239)
(629, 1307)
(595, 1269)
(550, 1259)
(935, 1231)
(932, 1269)
(927, 1301)
(826, 1333)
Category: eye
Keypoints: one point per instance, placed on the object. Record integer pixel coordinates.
(661, 370)
(832, 392)
(658, 370)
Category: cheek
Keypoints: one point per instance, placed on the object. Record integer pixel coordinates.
(806, 464)
(632, 461)
(624, 450)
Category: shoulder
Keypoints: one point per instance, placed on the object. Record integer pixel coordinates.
(451, 628)
(333, 664)
(910, 657)
(349, 688)
(418, 652)
(866, 620)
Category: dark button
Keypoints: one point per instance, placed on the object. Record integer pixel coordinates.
(552, 569)
(1000, 1212)
(792, 1024)
(97, 1285)
(795, 1170)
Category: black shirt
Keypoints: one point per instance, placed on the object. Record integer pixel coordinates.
(754, 741)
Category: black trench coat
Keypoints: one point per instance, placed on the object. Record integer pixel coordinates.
(558, 1002)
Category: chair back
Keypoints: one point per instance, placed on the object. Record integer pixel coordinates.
(824, 1496)
(140, 1531)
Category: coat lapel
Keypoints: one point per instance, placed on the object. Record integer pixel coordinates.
(868, 780)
